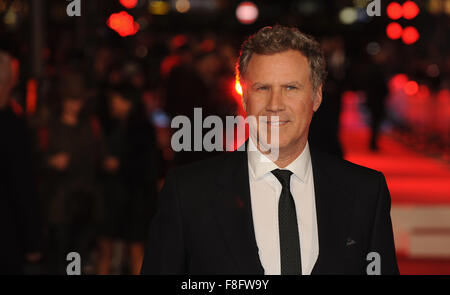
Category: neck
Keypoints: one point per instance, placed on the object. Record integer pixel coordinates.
(286, 157)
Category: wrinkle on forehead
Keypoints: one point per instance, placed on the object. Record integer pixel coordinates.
(278, 69)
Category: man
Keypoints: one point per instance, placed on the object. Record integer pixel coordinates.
(302, 212)
(70, 155)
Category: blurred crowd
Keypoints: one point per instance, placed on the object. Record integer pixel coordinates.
(82, 173)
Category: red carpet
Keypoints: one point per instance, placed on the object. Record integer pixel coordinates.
(413, 179)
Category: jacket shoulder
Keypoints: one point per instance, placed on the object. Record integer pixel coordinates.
(346, 172)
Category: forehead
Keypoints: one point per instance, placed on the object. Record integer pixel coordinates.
(286, 65)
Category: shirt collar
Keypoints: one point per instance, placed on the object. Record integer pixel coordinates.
(260, 165)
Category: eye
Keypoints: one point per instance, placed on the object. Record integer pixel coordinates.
(262, 88)
(290, 87)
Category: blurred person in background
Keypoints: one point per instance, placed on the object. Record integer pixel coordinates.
(180, 53)
(71, 157)
(324, 129)
(194, 85)
(376, 90)
(20, 220)
(151, 99)
(129, 178)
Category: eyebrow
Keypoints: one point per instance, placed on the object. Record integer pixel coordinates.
(298, 84)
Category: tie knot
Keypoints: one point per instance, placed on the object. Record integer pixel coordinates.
(283, 176)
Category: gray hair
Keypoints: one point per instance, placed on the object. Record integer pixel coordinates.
(276, 39)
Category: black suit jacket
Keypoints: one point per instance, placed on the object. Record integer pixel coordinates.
(204, 222)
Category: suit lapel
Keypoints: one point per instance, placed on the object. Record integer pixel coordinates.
(234, 215)
(334, 208)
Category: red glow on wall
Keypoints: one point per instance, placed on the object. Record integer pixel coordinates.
(411, 88)
(394, 10)
(123, 24)
(410, 35)
(394, 31)
(129, 3)
(410, 10)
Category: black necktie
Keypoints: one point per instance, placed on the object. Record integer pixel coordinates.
(291, 263)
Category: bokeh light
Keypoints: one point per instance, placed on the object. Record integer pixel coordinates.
(158, 7)
(398, 81)
(410, 10)
(410, 35)
(394, 10)
(129, 4)
(411, 88)
(348, 15)
(182, 6)
(394, 31)
(123, 23)
(247, 12)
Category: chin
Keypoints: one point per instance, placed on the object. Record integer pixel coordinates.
(279, 144)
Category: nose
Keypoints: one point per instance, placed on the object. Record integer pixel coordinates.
(275, 103)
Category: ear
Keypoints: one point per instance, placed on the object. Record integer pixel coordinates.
(317, 99)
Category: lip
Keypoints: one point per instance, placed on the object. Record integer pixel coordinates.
(277, 123)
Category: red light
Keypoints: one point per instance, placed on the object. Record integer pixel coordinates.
(394, 31)
(238, 87)
(410, 10)
(247, 12)
(398, 81)
(410, 35)
(411, 88)
(123, 24)
(394, 10)
(129, 3)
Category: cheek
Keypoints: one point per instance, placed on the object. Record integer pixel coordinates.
(254, 105)
(302, 114)
(301, 108)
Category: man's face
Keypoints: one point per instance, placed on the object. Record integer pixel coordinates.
(280, 85)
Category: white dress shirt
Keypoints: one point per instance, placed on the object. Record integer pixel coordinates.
(265, 190)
